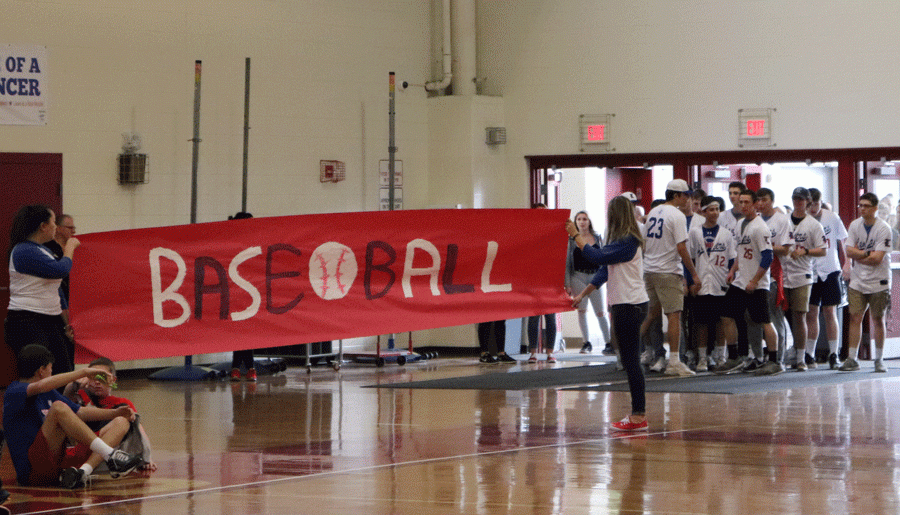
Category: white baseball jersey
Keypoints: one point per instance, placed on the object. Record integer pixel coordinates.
(696, 220)
(808, 234)
(754, 238)
(834, 232)
(867, 278)
(780, 226)
(666, 227)
(729, 221)
(711, 250)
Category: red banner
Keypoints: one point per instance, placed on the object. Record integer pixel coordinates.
(268, 282)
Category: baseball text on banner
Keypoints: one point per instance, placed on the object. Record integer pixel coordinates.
(268, 282)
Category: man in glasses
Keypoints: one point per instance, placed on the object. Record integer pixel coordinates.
(869, 248)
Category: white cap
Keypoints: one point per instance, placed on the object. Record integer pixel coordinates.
(678, 185)
(630, 196)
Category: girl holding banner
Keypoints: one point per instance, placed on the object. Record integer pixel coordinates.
(35, 309)
(622, 265)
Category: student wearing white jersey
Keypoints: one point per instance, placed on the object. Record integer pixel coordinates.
(621, 264)
(869, 249)
(729, 218)
(713, 251)
(826, 288)
(807, 241)
(749, 278)
(780, 227)
(694, 218)
(665, 236)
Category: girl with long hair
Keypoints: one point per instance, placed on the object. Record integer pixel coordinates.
(35, 303)
(579, 272)
(621, 264)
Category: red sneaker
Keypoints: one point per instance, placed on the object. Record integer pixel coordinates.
(235, 374)
(627, 425)
(251, 374)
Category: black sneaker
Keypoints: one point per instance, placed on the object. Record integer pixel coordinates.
(72, 478)
(505, 358)
(587, 348)
(487, 358)
(810, 361)
(752, 366)
(120, 463)
(609, 350)
(833, 362)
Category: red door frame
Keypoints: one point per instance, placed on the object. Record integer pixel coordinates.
(685, 165)
(27, 179)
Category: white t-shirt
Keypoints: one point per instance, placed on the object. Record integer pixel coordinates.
(626, 281)
(807, 234)
(711, 258)
(867, 278)
(834, 232)
(666, 227)
(754, 238)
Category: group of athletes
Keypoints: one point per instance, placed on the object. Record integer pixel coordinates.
(744, 267)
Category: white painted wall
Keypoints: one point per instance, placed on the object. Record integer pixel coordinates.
(673, 72)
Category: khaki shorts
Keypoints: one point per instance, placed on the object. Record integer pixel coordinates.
(877, 302)
(666, 290)
(798, 298)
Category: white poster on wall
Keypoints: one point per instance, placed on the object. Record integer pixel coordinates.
(23, 85)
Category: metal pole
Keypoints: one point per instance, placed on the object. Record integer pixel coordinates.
(391, 151)
(196, 141)
(246, 131)
(391, 148)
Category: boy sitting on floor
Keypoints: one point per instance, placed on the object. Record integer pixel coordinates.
(95, 391)
(38, 419)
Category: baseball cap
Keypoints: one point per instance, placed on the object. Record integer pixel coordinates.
(630, 196)
(678, 185)
(801, 192)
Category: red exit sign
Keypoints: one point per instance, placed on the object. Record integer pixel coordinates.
(596, 133)
(756, 129)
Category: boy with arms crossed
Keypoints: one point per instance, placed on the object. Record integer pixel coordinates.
(869, 248)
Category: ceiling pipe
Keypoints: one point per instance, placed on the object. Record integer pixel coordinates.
(448, 57)
(464, 48)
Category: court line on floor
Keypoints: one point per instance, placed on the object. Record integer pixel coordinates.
(372, 468)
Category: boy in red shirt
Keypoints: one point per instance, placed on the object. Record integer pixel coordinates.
(95, 391)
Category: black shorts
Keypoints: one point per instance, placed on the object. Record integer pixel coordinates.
(827, 292)
(708, 309)
(738, 301)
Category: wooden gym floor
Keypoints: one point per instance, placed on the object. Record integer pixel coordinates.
(295, 443)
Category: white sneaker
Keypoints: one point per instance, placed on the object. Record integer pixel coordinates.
(879, 366)
(647, 357)
(677, 368)
(659, 365)
(702, 365)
